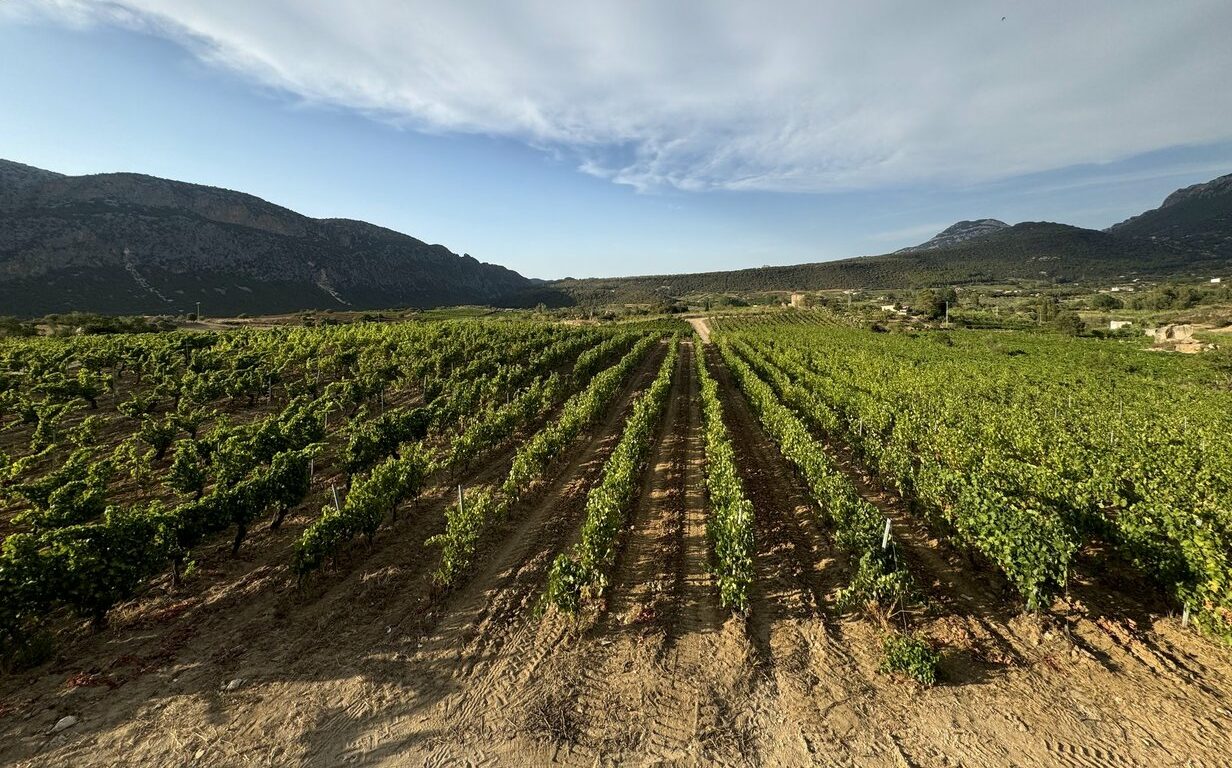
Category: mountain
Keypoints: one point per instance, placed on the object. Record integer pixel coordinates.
(1028, 251)
(1032, 250)
(1188, 236)
(1197, 217)
(128, 243)
(958, 233)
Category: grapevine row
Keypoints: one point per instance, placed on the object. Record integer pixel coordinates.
(466, 521)
(857, 526)
(607, 504)
(730, 524)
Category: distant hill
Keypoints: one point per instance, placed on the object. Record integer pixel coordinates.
(957, 234)
(1032, 250)
(128, 243)
(1189, 236)
(1197, 218)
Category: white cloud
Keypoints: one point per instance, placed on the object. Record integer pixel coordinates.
(798, 96)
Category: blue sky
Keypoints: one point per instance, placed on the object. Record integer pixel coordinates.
(595, 145)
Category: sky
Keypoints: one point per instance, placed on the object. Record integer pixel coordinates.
(615, 138)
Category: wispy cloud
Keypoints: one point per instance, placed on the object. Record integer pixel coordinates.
(794, 96)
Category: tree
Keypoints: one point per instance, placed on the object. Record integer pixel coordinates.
(1046, 309)
(1106, 301)
(930, 304)
(1070, 323)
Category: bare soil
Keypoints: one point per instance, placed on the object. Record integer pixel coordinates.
(371, 664)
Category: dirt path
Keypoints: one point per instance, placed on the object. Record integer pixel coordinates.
(702, 326)
(651, 673)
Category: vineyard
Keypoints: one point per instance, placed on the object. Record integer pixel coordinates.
(764, 539)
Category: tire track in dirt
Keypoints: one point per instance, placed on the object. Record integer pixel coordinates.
(645, 578)
(810, 665)
(489, 642)
(644, 673)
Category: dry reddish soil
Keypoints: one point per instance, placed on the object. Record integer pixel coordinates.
(370, 664)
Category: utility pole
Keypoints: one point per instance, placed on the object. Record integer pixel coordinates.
(947, 314)
(198, 311)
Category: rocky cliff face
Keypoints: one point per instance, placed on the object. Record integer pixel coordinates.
(129, 243)
(1198, 218)
(958, 233)
(1213, 189)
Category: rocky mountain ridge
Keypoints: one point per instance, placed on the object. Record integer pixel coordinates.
(959, 232)
(129, 243)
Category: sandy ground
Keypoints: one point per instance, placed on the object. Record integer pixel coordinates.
(702, 326)
(372, 665)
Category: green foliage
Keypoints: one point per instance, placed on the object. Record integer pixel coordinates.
(578, 412)
(1024, 451)
(876, 583)
(607, 504)
(856, 525)
(931, 304)
(372, 498)
(910, 655)
(187, 473)
(464, 526)
(1031, 251)
(13, 327)
(70, 549)
(495, 425)
(593, 359)
(159, 434)
(731, 522)
(1171, 297)
(372, 439)
(1106, 301)
(1069, 323)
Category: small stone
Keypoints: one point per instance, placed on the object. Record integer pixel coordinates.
(1022, 727)
(234, 684)
(68, 721)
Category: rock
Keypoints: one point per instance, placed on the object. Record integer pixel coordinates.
(234, 684)
(68, 721)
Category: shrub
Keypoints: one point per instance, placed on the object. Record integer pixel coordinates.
(910, 655)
